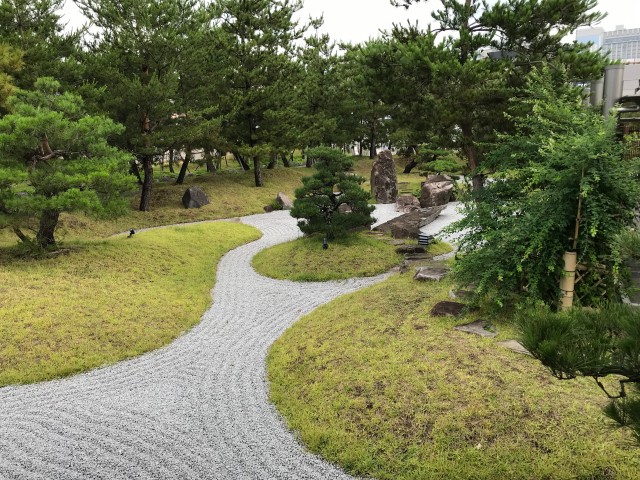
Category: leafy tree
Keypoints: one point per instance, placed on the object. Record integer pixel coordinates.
(592, 343)
(54, 159)
(471, 91)
(319, 200)
(35, 28)
(137, 56)
(257, 38)
(560, 183)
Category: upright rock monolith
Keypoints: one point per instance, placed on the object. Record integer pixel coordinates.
(436, 191)
(194, 197)
(384, 181)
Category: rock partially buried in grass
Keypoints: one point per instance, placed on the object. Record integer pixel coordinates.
(194, 197)
(447, 309)
(433, 274)
(479, 327)
(284, 201)
(411, 249)
(514, 346)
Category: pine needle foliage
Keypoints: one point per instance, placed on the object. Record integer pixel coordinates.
(318, 201)
(563, 163)
(592, 343)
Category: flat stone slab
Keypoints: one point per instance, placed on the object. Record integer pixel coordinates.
(479, 327)
(447, 309)
(461, 294)
(396, 243)
(514, 346)
(434, 274)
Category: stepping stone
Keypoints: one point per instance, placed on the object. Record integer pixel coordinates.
(417, 256)
(396, 243)
(461, 294)
(514, 346)
(447, 309)
(434, 274)
(411, 249)
(479, 327)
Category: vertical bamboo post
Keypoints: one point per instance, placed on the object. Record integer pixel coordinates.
(568, 280)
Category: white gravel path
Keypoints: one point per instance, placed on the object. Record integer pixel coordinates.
(197, 408)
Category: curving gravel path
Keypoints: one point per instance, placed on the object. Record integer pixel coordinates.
(197, 408)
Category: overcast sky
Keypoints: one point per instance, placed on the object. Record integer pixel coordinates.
(357, 20)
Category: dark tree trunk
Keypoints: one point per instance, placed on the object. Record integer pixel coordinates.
(471, 153)
(285, 161)
(134, 170)
(208, 158)
(273, 162)
(184, 167)
(23, 238)
(243, 164)
(410, 166)
(145, 197)
(171, 153)
(48, 222)
(257, 173)
(360, 148)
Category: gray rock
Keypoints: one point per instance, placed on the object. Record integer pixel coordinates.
(435, 193)
(384, 181)
(284, 201)
(409, 224)
(410, 249)
(268, 208)
(438, 178)
(479, 327)
(447, 309)
(194, 197)
(434, 274)
(407, 203)
(344, 208)
(514, 346)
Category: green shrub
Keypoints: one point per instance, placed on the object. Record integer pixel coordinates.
(318, 201)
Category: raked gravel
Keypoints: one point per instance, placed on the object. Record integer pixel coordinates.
(197, 408)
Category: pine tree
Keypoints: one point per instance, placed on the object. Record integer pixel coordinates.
(35, 27)
(319, 200)
(55, 158)
(257, 38)
(137, 55)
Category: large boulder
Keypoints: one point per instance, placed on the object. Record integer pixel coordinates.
(384, 181)
(194, 197)
(284, 201)
(437, 190)
(407, 203)
(409, 224)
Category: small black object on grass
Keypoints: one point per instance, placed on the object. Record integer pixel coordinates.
(325, 245)
(132, 232)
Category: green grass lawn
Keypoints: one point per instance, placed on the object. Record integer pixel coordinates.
(107, 300)
(376, 385)
(357, 255)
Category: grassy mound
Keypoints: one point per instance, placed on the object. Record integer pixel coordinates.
(358, 255)
(373, 383)
(108, 300)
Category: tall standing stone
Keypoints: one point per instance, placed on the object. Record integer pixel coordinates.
(384, 181)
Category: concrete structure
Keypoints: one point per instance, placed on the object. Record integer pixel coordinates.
(622, 44)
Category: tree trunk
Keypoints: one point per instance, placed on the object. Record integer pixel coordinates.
(208, 158)
(471, 153)
(171, 153)
(184, 167)
(273, 162)
(360, 148)
(244, 165)
(23, 238)
(134, 170)
(257, 173)
(285, 161)
(47, 228)
(410, 166)
(145, 197)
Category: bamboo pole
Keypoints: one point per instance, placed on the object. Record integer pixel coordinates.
(568, 278)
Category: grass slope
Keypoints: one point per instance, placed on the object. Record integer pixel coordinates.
(107, 300)
(373, 383)
(303, 259)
